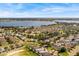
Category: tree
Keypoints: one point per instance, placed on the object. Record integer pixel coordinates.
(8, 40)
(77, 54)
(40, 36)
(55, 34)
(0, 44)
(29, 36)
(12, 46)
(63, 49)
(6, 48)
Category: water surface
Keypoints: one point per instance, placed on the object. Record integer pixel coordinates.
(26, 23)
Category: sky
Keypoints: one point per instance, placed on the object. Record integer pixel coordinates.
(25, 10)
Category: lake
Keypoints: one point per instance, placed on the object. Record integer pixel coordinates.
(26, 23)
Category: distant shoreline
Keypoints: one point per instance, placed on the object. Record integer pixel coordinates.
(35, 19)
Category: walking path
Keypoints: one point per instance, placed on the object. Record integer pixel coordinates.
(13, 52)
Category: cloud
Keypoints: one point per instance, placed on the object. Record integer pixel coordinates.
(35, 10)
(54, 9)
(61, 10)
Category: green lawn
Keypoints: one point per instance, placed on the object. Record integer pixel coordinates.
(63, 54)
(50, 48)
